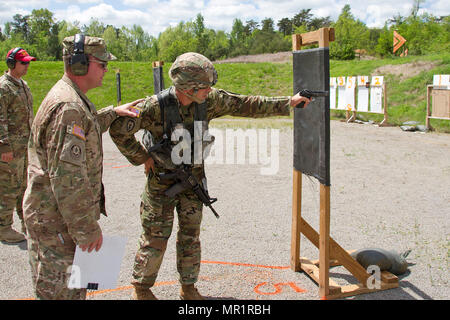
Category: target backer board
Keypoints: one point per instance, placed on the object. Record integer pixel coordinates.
(363, 94)
(312, 157)
(350, 94)
(441, 81)
(312, 124)
(376, 94)
(341, 92)
(333, 86)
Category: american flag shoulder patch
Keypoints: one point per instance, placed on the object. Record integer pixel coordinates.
(78, 131)
(136, 110)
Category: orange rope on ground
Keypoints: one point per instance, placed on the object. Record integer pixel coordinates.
(165, 283)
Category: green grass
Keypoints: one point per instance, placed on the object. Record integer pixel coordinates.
(406, 99)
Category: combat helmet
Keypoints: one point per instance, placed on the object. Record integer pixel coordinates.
(192, 70)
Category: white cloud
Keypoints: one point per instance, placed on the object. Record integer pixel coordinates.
(104, 13)
(220, 14)
(23, 5)
(437, 7)
(74, 2)
(375, 13)
(140, 3)
(9, 8)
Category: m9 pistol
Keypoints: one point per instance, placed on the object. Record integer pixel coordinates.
(311, 95)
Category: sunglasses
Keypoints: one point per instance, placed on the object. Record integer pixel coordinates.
(102, 63)
(24, 62)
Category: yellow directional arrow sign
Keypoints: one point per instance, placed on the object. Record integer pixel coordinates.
(398, 41)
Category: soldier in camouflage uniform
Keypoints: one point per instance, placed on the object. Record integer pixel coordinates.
(16, 117)
(65, 196)
(192, 75)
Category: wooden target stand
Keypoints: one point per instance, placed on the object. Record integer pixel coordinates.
(330, 252)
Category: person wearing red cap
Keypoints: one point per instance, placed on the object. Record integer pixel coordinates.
(16, 117)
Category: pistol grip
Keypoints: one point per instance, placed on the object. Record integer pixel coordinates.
(300, 105)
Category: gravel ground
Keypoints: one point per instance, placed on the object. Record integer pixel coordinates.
(390, 189)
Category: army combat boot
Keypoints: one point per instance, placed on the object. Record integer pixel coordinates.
(143, 294)
(190, 292)
(8, 234)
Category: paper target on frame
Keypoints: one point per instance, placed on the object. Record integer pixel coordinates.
(376, 94)
(363, 94)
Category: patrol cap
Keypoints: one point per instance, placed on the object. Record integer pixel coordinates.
(192, 70)
(94, 46)
(21, 55)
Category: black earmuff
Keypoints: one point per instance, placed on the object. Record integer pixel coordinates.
(11, 58)
(79, 62)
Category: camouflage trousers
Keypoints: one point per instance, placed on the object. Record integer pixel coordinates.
(51, 256)
(157, 216)
(12, 189)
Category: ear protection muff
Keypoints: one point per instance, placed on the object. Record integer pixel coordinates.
(10, 59)
(79, 61)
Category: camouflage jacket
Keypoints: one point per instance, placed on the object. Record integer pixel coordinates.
(65, 191)
(16, 117)
(219, 103)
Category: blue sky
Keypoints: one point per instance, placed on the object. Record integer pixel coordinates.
(156, 15)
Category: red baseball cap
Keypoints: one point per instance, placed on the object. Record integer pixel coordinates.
(21, 55)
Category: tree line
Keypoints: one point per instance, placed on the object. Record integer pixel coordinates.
(42, 35)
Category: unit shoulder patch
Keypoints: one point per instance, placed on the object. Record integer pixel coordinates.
(74, 148)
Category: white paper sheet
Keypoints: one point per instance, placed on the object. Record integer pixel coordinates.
(441, 81)
(98, 270)
(333, 93)
(363, 94)
(376, 94)
(350, 94)
(341, 92)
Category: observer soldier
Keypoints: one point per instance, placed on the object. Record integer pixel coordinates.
(16, 117)
(65, 195)
(189, 102)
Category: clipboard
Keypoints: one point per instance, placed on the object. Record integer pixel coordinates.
(98, 270)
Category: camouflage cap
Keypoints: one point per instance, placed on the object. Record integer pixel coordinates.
(92, 45)
(192, 70)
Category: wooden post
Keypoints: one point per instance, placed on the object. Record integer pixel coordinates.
(348, 117)
(324, 242)
(385, 103)
(158, 77)
(156, 64)
(385, 107)
(296, 42)
(324, 37)
(296, 220)
(324, 233)
(427, 120)
(118, 88)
